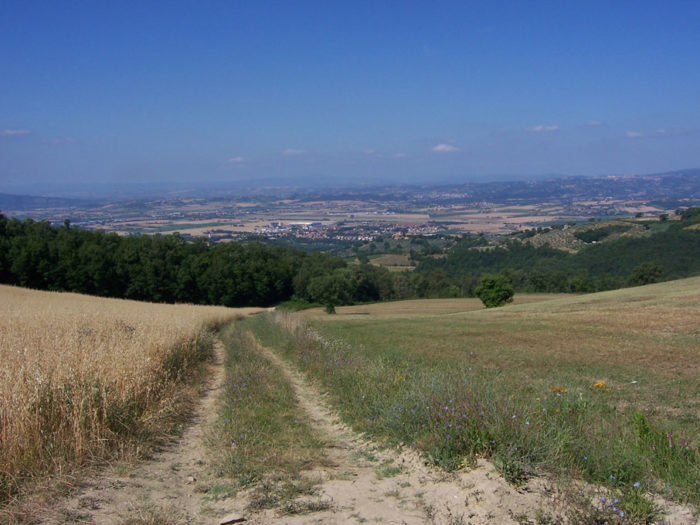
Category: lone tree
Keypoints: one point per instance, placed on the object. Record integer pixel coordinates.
(494, 290)
(646, 273)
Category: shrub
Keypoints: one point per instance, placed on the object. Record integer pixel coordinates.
(494, 290)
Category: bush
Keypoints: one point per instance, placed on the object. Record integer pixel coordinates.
(495, 290)
(646, 273)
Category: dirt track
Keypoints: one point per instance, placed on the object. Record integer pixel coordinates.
(361, 482)
(165, 489)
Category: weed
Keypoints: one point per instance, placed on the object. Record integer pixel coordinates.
(511, 468)
(218, 492)
(388, 470)
(283, 492)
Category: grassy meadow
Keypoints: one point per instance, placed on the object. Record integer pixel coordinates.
(601, 387)
(84, 378)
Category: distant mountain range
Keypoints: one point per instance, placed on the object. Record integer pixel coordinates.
(669, 189)
(681, 187)
(31, 202)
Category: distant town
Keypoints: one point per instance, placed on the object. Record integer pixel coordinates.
(352, 215)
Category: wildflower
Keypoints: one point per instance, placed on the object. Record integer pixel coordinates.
(538, 399)
(514, 416)
(622, 514)
(636, 485)
(233, 444)
(602, 499)
(613, 478)
(527, 423)
(599, 384)
(585, 458)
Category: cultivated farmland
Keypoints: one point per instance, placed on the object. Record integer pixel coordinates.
(82, 378)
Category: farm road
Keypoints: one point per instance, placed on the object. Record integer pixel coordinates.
(364, 483)
(369, 484)
(164, 489)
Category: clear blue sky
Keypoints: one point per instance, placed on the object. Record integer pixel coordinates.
(173, 91)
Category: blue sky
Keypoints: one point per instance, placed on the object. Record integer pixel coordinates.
(343, 92)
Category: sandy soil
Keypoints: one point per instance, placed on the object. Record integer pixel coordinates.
(165, 489)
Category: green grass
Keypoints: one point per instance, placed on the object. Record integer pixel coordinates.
(517, 385)
(262, 439)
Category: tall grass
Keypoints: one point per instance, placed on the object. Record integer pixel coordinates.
(83, 378)
(456, 406)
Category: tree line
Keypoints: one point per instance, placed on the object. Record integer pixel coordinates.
(168, 268)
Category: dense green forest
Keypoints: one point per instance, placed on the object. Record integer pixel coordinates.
(167, 268)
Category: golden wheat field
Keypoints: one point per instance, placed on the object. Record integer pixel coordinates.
(80, 375)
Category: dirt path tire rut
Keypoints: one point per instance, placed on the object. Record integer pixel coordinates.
(164, 489)
(369, 484)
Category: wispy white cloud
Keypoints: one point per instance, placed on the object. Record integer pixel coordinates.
(445, 148)
(290, 152)
(673, 132)
(236, 160)
(659, 133)
(543, 127)
(14, 132)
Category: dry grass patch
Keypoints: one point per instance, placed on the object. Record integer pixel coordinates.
(81, 377)
(420, 307)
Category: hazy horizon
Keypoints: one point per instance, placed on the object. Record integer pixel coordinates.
(121, 94)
